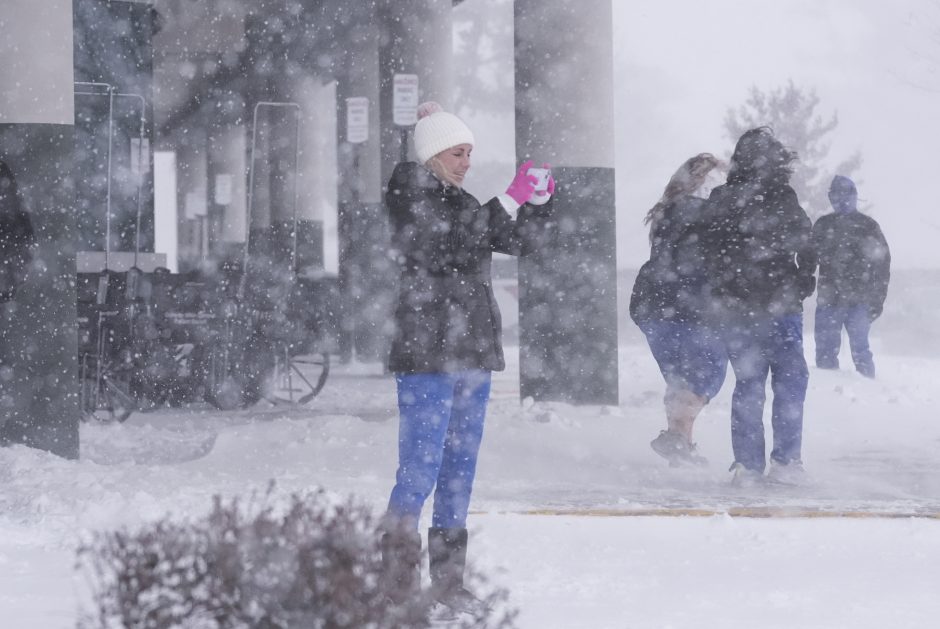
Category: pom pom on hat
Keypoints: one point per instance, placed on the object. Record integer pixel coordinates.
(428, 108)
(437, 131)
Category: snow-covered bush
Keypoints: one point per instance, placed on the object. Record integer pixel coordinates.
(314, 564)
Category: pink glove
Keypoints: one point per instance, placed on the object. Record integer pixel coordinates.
(523, 184)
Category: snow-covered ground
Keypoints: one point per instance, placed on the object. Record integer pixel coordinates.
(554, 488)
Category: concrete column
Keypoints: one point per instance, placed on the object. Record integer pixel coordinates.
(416, 38)
(36, 74)
(38, 351)
(564, 116)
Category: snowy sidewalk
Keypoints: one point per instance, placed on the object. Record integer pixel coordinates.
(870, 447)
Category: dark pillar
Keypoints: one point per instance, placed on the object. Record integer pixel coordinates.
(564, 116)
(415, 38)
(366, 273)
(38, 351)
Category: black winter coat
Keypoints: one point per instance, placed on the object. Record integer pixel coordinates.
(16, 238)
(854, 261)
(669, 285)
(760, 259)
(447, 319)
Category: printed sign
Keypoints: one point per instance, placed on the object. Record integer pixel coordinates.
(223, 189)
(405, 99)
(357, 119)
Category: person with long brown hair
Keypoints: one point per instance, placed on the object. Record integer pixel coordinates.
(667, 305)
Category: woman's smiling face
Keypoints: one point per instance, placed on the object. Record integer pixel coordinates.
(455, 162)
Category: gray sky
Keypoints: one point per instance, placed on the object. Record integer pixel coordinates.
(679, 65)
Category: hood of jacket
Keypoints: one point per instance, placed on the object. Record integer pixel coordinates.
(843, 195)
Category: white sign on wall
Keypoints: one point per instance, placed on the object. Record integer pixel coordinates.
(223, 189)
(357, 119)
(405, 99)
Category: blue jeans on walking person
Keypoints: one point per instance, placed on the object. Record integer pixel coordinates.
(690, 355)
(828, 332)
(439, 435)
(754, 349)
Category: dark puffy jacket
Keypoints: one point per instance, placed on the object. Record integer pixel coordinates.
(16, 238)
(854, 260)
(760, 260)
(443, 238)
(669, 285)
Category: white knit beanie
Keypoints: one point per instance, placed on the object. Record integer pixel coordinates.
(437, 131)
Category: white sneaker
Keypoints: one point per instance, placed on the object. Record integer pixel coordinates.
(463, 601)
(457, 610)
(745, 477)
(442, 615)
(791, 473)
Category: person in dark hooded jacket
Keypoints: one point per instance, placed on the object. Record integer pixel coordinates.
(854, 270)
(16, 241)
(761, 264)
(16, 236)
(666, 304)
(447, 339)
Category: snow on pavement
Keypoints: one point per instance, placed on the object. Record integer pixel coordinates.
(869, 447)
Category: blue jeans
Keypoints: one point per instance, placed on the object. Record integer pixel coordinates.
(828, 332)
(690, 356)
(439, 435)
(754, 349)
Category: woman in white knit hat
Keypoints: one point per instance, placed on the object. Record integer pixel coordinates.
(447, 338)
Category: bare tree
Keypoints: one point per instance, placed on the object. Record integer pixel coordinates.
(792, 112)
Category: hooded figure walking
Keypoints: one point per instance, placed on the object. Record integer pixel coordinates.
(761, 266)
(447, 340)
(16, 236)
(16, 241)
(667, 305)
(854, 270)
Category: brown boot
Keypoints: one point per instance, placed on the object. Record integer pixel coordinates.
(401, 564)
(447, 559)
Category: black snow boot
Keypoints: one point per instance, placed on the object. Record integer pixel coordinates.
(447, 555)
(401, 565)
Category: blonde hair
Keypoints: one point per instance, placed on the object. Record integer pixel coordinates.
(441, 171)
(686, 180)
